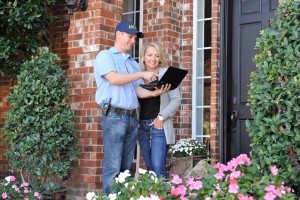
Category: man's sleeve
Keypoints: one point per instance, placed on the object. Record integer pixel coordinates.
(104, 63)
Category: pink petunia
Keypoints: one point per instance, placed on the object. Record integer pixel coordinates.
(182, 197)
(269, 196)
(26, 198)
(270, 188)
(4, 195)
(181, 190)
(24, 184)
(274, 170)
(17, 190)
(36, 194)
(244, 197)
(12, 178)
(233, 187)
(219, 175)
(176, 179)
(196, 185)
(235, 174)
(26, 191)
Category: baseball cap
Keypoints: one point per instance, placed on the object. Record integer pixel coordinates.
(130, 28)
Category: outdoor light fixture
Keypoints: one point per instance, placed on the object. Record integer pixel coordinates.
(72, 5)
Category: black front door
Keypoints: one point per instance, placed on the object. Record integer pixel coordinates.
(246, 18)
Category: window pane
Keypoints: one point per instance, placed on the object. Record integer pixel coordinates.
(203, 64)
(208, 9)
(128, 6)
(203, 123)
(204, 34)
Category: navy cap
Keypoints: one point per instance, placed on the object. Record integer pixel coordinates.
(130, 28)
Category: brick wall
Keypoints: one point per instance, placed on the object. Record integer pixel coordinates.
(77, 39)
(5, 84)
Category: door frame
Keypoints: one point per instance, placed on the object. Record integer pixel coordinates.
(225, 75)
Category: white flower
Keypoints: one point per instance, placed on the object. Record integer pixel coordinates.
(143, 198)
(122, 176)
(142, 171)
(7, 178)
(112, 196)
(153, 173)
(90, 195)
(154, 197)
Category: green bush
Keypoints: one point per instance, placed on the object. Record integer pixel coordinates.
(39, 132)
(21, 25)
(274, 95)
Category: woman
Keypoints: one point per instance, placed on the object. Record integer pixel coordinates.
(156, 130)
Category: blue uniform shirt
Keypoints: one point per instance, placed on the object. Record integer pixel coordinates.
(122, 96)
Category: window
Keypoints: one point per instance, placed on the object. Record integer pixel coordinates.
(131, 12)
(201, 70)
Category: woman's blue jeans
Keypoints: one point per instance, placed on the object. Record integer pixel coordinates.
(119, 139)
(154, 147)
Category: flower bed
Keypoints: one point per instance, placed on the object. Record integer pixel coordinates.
(238, 180)
(11, 189)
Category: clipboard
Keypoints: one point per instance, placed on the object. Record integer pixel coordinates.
(173, 76)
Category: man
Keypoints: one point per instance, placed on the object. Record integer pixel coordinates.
(117, 75)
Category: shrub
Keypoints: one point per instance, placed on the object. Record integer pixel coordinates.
(39, 131)
(274, 95)
(21, 27)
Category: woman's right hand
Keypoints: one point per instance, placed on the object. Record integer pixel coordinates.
(163, 89)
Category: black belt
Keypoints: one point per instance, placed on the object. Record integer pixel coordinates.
(122, 111)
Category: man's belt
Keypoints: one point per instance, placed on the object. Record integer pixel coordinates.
(122, 111)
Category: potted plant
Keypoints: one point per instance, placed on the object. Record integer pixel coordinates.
(186, 153)
(39, 131)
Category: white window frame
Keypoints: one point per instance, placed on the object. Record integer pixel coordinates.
(198, 90)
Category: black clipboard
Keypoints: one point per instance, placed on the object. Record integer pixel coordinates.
(173, 76)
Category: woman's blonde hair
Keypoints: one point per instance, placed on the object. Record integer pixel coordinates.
(162, 56)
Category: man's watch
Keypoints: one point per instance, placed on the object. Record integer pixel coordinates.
(160, 117)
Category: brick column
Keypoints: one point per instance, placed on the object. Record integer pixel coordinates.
(215, 82)
(90, 31)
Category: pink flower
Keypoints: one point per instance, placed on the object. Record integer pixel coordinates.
(4, 195)
(195, 185)
(269, 196)
(179, 191)
(12, 178)
(274, 170)
(235, 174)
(244, 197)
(17, 190)
(176, 179)
(24, 184)
(183, 198)
(36, 194)
(233, 187)
(270, 188)
(219, 175)
(26, 191)
(26, 198)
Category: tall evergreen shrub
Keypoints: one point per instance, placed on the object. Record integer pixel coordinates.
(39, 132)
(274, 95)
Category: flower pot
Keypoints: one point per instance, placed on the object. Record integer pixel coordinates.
(182, 166)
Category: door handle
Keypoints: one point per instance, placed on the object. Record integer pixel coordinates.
(233, 119)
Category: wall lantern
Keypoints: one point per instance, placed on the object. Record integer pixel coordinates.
(72, 5)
